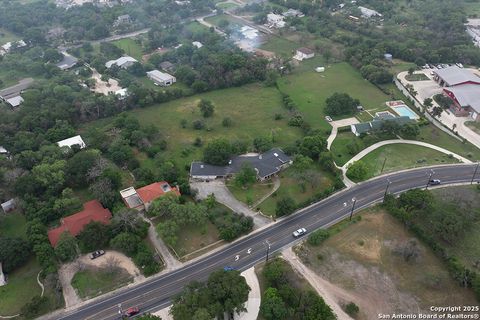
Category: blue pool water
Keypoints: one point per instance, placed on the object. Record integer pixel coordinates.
(405, 111)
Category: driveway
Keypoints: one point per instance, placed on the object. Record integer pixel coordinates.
(225, 197)
(338, 124)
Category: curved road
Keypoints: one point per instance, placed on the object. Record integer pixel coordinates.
(156, 293)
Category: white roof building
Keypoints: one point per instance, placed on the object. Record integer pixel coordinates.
(8, 206)
(122, 93)
(76, 140)
(122, 62)
(368, 13)
(8, 46)
(161, 78)
(293, 13)
(275, 20)
(3, 150)
(197, 44)
(14, 101)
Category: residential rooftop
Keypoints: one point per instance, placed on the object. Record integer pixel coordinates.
(454, 75)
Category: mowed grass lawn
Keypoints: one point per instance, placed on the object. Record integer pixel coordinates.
(310, 89)
(403, 156)
(375, 272)
(252, 109)
(290, 187)
(21, 288)
(13, 225)
(94, 281)
(475, 126)
(251, 194)
(280, 45)
(131, 48)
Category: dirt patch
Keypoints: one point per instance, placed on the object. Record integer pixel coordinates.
(67, 271)
(103, 87)
(364, 263)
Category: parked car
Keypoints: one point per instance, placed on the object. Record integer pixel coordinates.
(299, 232)
(96, 254)
(328, 118)
(130, 312)
(434, 182)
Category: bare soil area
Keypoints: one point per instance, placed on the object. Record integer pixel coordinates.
(103, 87)
(365, 263)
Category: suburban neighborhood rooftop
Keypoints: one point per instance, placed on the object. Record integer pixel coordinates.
(467, 95)
(454, 75)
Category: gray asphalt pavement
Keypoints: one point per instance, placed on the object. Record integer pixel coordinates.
(158, 292)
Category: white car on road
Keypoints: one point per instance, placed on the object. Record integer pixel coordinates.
(299, 232)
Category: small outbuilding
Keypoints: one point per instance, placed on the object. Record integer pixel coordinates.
(70, 142)
(8, 206)
(122, 62)
(304, 53)
(161, 78)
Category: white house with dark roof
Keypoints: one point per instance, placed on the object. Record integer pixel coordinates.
(122, 62)
(266, 165)
(70, 142)
(161, 78)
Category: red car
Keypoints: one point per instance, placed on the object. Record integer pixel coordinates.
(131, 311)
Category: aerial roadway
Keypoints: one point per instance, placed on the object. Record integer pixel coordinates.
(156, 293)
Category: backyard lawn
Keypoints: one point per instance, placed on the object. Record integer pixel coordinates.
(310, 89)
(290, 186)
(21, 288)
(94, 281)
(252, 194)
(252, 109)
(13, 225)
(280, 45)
(402, 156)
(131, 48)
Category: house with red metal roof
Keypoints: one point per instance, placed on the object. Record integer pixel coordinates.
(74, 224)
(141, 198)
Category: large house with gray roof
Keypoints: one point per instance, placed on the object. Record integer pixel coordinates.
(267, 165)
(455, 76)
(378, 123)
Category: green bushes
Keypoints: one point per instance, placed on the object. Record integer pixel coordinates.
(230, 225)
(318, 237)
(285, 298)
(417, 210)
(358, 171)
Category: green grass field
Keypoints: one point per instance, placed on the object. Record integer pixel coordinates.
(95, 281)
(21, 288)
(419, 76)
(193, 238)
(475, 126)
(310, 89)
(280, 46)
(226, 5)
(13, 225)
(131, 48)
(251, 107)
(403, 156)
(7, 36)
(251, 194)
(195, 27)
(291, 187)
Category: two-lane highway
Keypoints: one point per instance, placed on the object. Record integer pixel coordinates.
(156, 293)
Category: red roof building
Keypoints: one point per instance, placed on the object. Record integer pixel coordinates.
(74, 224)
(142, 197)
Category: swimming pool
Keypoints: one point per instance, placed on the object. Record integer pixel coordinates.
(404, 110)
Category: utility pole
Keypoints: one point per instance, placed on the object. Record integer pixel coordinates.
(429, 178)
(386, 189)
(353, 207)
(268, 250)
(383, 166)
(475, 173)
